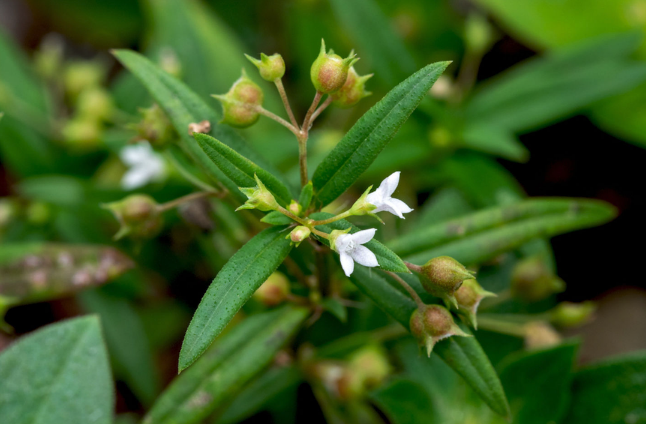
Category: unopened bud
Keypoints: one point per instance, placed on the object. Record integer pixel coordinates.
(155, 127)
(203, 127)
(240, 103)
(271, 67)
(532, 280)
(81, 75)
(95, 103)
(329, 71)
(299, 234)
(432, 324)
(138, 215)
(352, 91)
(568, 314)
(258, 197)
(82, 133)
(479, 34)
(539, 335)
(442, 277)
(273, 291)
(49, 57)
(469, 296)
(371, 362)
(295, 208)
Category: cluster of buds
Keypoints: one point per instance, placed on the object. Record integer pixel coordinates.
(432, 323)
(240, 104)
(532, 280)
(139, 216)
(258, 197)
(274, 291)
(442, 277)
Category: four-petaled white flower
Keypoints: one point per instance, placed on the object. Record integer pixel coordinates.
(144, 165)
(381, 198)
(351, 250)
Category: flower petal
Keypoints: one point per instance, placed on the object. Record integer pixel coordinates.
(342, 242)
(398, 206)
(376, 198)
(388, 207)
(347, 264)
(391, 183)
(363, 256)
(135, 177)
(361, 237)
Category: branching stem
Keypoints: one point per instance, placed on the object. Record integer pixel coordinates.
(283, 97)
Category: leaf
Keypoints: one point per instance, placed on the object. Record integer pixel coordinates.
(127, 343)
(446, 204)
(404, 402)
(377, 41)
(335, 307)
(538, 383)
(463, 354)
(276, 218)
(57, 375)
(388, 260)
(305, 198)
(372, 132)
(485, 234)
(495, 141)
(610, 392)
(260, 393)
(226, 367)
(231, 288)
(240, 169)
(183, 107)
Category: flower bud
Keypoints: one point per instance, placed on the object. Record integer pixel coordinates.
(299, 234)
(273, 291)
(95, 103)
(479, 34)
(271, 67)
(468, 297)
(138, 215)
(82, 133)
(48, 60)
(239, 104)
(352, 91)
(295, 208)
(363, 207)
(154, 127)
(81, 75)
(329, 71)
(442, 277)
(568, 314)
(432, 324)
(259, 197)
(371, 362)
(531, 280)
(540, 335)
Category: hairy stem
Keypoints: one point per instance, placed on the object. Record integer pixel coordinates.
(261, 110)
(321, 108)
(329, 220)
(189, 197)
(413, 267)
(283, 97)
(409, 289)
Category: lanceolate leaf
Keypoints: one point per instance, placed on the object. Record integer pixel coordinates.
(183, 107)
(482, 235)
(57, 375)
(231, 288)
(388, 260)
(226, 367)
(240, 169)
(463, 354)
(367, 138)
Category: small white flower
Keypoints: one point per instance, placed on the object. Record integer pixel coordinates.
(144, 165)
(351, 250)
(381, 198)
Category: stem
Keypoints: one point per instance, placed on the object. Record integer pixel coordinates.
(283, 97)
(409, 289)
(321, 108)
(307, 122)
(413, 267)
(302, 160)
(261, 110)
(292, 216)
(189, 197)
(302, 137)
(503, 327)
(329, 220)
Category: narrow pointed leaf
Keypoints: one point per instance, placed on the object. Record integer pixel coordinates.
(231, 288)
(276, 218)
(226, 367)
(463, 354)
(367, 138)
(485, 234)
(58, 374)
(388, 260)
(240, 169)
(306, 195)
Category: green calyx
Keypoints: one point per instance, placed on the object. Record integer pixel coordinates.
(568, 314)
(329, 71)
(258, 197)
(154, 127)
(271, 67)
(352, 91)
(468, 297)
(363, 207)
(240, 103)
(334, 235)
(442, 277)
(431, 324)
(299, 234)
(139, 216)
(532, 280)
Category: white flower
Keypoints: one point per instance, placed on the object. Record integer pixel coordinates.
(381, 198)
(144, 165)
(351, 250)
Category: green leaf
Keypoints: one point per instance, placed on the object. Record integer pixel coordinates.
(463, 354)
(226, 367)
(485, 234)
(57, 375)
(538, 383)
(276, 218)
(388, 260)
(183, 107)
(372, 132)
(377, 40)
(446, 204)
(306, 195)
(260, 393)
(335, 307)
(495, 141)
(611, 392)
(240, 169)
(404, 402)
(231, 288)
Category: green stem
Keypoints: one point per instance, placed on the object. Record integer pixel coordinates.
(186, 174)
(334, 218)
(409, 289)
(189, 197)
(261, 110)
(501, 326)
(283, 97)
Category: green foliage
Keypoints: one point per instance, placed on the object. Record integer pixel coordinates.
(59, 374)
